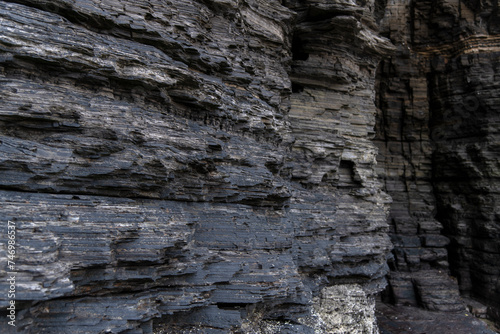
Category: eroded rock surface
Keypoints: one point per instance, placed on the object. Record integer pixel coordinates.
(438, 135)
(210, 166)
(191, 166)
(415, 320)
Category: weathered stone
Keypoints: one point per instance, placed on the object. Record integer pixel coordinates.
(220, 166)
(344, 309)
(439, 294)
(437, 134)
(191, 166)
(407, 319)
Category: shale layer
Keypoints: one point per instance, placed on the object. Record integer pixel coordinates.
(192, 166)
(438, 135)
(227, 166)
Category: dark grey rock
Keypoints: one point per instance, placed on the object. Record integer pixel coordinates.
(220, 166)
(166, 175)
(438, 138)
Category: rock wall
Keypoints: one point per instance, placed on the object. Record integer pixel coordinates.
(438, 136)
(223, 166)
(191, 166)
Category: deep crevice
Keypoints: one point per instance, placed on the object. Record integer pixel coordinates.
(298, 50)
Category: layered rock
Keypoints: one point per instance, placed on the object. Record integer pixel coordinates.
(438, 140)
(209, 166)
(192, 166)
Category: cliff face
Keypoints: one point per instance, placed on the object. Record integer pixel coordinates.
(210, 166)
(191, 166)
(438, 136)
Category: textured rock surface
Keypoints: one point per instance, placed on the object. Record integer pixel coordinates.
(345, 309)
(210, 166)
(191, 166)
(438, 134)
(412, 320)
